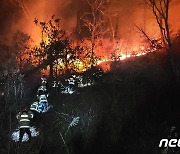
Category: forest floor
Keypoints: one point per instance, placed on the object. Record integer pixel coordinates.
(129, 110)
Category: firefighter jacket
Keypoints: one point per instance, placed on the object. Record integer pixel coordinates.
(24, 119)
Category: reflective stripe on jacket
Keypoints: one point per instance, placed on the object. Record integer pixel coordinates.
(24, 119)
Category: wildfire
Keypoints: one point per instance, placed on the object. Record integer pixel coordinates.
(105, 64)
(122, 42)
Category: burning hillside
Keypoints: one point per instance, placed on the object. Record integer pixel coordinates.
(90, 33)
(90, 75)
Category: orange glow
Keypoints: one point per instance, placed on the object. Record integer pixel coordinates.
(128, 42)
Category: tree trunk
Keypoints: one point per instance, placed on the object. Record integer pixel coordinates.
(92, 56)
(51, 72)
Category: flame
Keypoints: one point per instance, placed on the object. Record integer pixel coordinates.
(79, 65)
(129, 42)
(105, 64)
(105, 61)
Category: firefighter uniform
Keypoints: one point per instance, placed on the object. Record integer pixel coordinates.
(43, 82)
(24, 123)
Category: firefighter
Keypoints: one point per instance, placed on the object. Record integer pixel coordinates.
(44, 81)
(24, 123)
(43, 103)
(42, 106)
(42, 91)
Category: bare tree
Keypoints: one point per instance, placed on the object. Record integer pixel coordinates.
(94, 21)
(160, 10)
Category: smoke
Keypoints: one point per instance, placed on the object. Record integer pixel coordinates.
(20, 14)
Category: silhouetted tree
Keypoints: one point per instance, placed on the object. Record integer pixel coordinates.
(21, 48)
(94, 21)
(56, 47)
(160, 10)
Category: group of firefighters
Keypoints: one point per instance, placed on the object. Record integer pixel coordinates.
(25, 115)
(42, 95)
